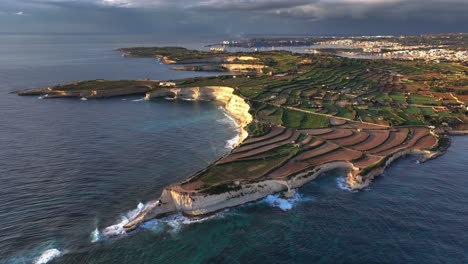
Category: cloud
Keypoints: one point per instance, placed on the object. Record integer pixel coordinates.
(299, 9)
(248, 5)
(235, 16)
(20, 13)
(353, 9)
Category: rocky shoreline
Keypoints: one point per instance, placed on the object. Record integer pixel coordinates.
(176, 199)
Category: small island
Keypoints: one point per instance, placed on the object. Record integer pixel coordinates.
(299, 115)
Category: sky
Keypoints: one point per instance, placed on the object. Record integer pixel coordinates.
(234, 18)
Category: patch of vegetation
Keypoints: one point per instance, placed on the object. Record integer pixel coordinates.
(257, 129)
(222, 188)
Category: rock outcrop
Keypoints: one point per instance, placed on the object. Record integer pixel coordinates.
(174, 199)
(56, 92)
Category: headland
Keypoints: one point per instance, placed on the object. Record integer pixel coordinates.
(299, 115)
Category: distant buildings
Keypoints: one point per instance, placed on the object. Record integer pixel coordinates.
(394, 50)
(429, 55)
(218, 49)
(167, 84)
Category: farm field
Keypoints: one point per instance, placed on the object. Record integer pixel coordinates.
(311, 110)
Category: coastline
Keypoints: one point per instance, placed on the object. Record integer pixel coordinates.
(233, 104)
(194, 203)
(174, 200)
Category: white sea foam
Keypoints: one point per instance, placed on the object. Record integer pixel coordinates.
(232, 142)
(83, 98)
(172, 223)
(95, 235)
(138, 100)
(188, 99)
(341, 183)
(233, 123)
(117, 229)
(177, 221)
(47, 256)
(285, 204)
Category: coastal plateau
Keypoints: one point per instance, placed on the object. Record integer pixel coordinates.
(299, 115)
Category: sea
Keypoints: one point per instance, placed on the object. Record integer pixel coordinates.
(73, 171)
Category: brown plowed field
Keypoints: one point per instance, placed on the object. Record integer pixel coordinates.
(286, 135)
(290, 167)
(367, 161)
(366, 126)
(306, 140)
(337, 133)
(355, 139)
(340, 154)
(375, 139)
(337, 122)
(325, 148)
(254, 152)
(426, 142)
(394, 140)
(417, 133)
(317, 132)
(314, 143)
(275, 131)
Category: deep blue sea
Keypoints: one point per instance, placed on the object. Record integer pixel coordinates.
(71, 168)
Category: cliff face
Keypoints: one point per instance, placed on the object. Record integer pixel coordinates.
(360, 181)
(235, 105)
(195, 203)
(241, 67)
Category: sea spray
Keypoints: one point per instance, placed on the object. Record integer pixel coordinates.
(231, 143)
(139, 100)
(342, 185)
(172, 224)
(47, 256)
(95, 235)
(285, 204)
(117, 229)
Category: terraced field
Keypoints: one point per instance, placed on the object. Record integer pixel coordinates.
(312, 110)
(386, 92)
(285, 152)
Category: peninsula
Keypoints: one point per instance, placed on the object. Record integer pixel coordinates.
(299, 115)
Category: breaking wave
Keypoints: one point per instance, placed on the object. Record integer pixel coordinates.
(342, 185)
(47, 256)
(231, 143)
(117, 230)
(95, 236)
(172, 223)
(139, 100)
(285, 204)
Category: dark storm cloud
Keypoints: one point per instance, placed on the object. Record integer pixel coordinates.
(237, 16)
(247, 5)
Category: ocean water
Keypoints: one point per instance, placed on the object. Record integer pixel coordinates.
(73, 171)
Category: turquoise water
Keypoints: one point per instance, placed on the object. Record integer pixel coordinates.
(71, 168)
